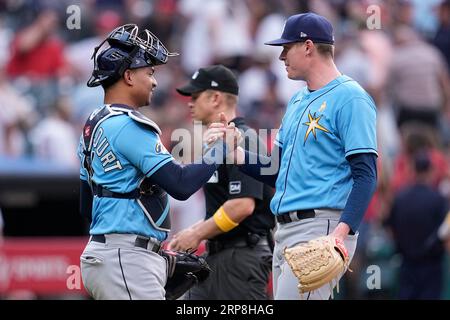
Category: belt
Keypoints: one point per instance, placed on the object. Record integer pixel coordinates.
(214, 246)
(295, 216)
(140, 242)
(99, 191)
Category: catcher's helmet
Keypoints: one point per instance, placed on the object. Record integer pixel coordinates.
(128, 49)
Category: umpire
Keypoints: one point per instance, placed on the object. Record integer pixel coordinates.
(238, 220)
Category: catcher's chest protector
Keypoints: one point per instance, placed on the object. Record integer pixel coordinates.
(152, 199)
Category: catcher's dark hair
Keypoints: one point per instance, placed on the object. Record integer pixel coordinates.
(107, 84)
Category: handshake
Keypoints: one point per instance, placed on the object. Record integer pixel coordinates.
(221, 141)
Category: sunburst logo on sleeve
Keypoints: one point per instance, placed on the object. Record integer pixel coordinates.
(323, 106)
(313, 124)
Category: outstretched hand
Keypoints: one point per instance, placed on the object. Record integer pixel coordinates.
(223, 119)
(233, 136)
(227, 132)
(185, 240)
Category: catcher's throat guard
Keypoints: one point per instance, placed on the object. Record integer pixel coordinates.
(152, 199)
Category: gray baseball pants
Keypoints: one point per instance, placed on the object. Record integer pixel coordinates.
(118, 270)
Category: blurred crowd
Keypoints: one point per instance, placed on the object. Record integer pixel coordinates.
(398, 50)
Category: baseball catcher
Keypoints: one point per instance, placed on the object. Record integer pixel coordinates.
(127, 174)
(317, 262)
(184, 271)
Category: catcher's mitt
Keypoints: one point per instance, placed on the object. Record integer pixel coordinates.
(317, 262)
(184, 271)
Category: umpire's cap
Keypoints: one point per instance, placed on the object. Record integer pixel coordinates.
(128, 48)
(305, 26)
(216, 77)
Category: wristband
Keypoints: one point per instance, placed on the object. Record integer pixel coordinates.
(223, 221)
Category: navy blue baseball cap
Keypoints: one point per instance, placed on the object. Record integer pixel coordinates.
(305, 26)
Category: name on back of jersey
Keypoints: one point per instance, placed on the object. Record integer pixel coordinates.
(102, 150)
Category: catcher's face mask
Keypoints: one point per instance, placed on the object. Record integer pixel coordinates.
(126, 48)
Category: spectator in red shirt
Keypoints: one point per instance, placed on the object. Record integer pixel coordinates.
(418, 137)
(36, 52)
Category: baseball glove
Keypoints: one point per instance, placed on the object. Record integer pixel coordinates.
(317, 262)
(184, 271)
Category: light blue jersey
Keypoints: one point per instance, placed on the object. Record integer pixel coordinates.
(125, 152)
(318, 131)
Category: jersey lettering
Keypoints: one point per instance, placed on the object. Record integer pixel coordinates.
(98, 135)
(101, 149)
(109, 157)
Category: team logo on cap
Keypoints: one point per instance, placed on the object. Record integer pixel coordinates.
(303, 35)
(195, 75)
(214, 84)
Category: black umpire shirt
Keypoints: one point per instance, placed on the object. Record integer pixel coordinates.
(228, 182)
